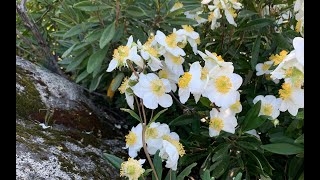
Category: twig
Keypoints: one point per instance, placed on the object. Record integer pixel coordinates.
(131, 67)
(178, 101)
(136, 99)
(151, 115)
(117, 12)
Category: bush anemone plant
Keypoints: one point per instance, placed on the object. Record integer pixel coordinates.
(216, 86)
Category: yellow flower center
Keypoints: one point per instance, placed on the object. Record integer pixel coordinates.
(198, 40)
(218, 57)
(216, 124)
(223, 84)
(265, 67)
(236, 106)
(131, 138)
(176, 60)
(297, 77)
(131, 169)
(204, 73)
(124, 85)
(151, 133)
(289, 72)
(163, 74)
(176, 143)
(233, 13)
(286, 91)
(171, 40)
(210, 17)
(277, 59)
(157, 87)
(184, 80)
(298, 26)
(188, 28)
(153, 52)
(120, 53)
(267, 109)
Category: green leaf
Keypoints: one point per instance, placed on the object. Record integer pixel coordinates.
(68, 51)
(93, 36)
(117, 81)
(191, 158)
(62, 22)
(74, 64)
(205, 101)
(112, 159)
(180, 21)
(184, 119)
(157, 162)
(89, 6)
(75, 30)
(132, 113)
(255, 52)
(186, 171)
(300, 139)
(281, 41)
(247, 145)
(295, 166)
(157, 116)
(206, 175)
(219, 167)
(96, 59)
(107, 35)
(176, 12)
(147, 172)
(257, 24)
(251, 119)
(239, 176)
(283, 148)
(94, 83)
(171, 175)
(135, 11)
(83, 75)
(246, 13)
(220, 152)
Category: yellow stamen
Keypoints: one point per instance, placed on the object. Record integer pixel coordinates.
(236, 106)
(151, 133)
(157, 87)
(265, 67)
(267, 109)
(184, 80)
(163, 74)
(223, 84)
(211, 16)
(124, 85)
(298, 26)
(216, 124)
(171, 40)
(131, 138)
(120, 53)
(278, 58)
(188, 28)
(204, 73)
(286, 91)
(176, 143)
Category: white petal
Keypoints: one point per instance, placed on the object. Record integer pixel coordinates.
(160, 38)
(184, 95)
(213, 132)
(130, 100)
(165, 100)
(150, 101)
(229, 17)
(112, 65)
(130, 40)
(298, 44)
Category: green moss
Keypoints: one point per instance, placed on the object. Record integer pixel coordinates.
(66, 165)
(29, 101)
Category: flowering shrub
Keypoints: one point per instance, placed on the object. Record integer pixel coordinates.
(213, 88)
(163, 74)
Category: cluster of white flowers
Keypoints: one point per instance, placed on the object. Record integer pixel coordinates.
(158, 137)
(229, 8)
(289, 67)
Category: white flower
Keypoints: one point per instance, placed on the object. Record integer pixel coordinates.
(195, 16)
(171, 150)
(151, 55)
(192, 37)
(124, 53)
(126, 89)
(191, 82)
(153, 91)
(213, 17)
(235, 107)
(253, 132)
(212, 60)
(299, 7)
(292, 98)
(166, 73)
(132, 168)
(174, 63)
(222, 88)
(263, 68)
(292, 66)
(134, 140)
(269, 105)
(223, 120)
(154, 135)
(170, 43)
